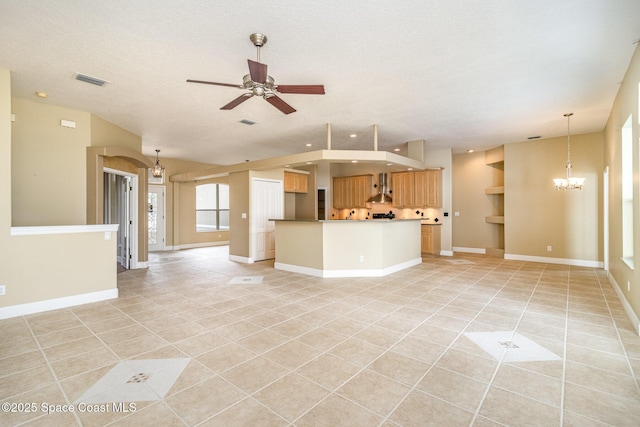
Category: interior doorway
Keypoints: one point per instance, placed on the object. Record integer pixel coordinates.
(156, 206)
(322, 203)
(120, 189)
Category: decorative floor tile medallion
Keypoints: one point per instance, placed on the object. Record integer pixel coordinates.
(136, 381)
(510, 346)
(246, 280)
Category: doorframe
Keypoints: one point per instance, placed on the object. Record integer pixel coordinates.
(133, 214)
(164, 212)
(252, 230)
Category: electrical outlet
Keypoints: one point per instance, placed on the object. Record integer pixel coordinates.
(549, 248)
(2, 290)
(361, 258)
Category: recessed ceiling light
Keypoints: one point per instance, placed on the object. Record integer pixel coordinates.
(353, 135)
(354, 161)
(470, 150)
(396, 149)
(308, 145)
(42, 94)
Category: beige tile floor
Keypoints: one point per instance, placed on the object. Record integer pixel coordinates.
(303, 351)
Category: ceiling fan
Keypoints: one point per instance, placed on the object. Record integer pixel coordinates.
(260, 84)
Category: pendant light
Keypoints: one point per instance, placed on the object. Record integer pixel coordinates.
(158, 169)
(570, 182)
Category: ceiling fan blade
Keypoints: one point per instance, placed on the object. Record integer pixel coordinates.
(301, 89)
(214, 83)
(239, 100)
(280, 104)
(258, 71)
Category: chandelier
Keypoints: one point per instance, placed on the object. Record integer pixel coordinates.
(158, 169)
(570, 182)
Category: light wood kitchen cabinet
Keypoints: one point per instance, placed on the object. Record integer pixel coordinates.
(421, 189)
(402, 184)
(428, 188)
(351, 192)
(296, 182)
(430, 239)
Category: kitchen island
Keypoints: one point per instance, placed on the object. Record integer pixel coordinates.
(347, 248)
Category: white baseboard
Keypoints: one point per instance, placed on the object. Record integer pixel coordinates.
(482, 251)
(200, 245)
(242, 259)
(56, 303)
(446, 253)
(625, 304)
(316, 272)
(549, 260)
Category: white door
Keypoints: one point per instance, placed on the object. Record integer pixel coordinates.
(126, 221)
(156, 217)
(120, 195)
(267, 203)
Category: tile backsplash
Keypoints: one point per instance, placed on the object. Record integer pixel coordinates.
(414, 213)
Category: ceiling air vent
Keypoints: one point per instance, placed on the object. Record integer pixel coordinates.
(247, 122)
(88, 79)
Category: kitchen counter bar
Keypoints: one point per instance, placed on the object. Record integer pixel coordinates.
(347, 248)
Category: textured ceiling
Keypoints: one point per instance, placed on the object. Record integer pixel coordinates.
(458, 73)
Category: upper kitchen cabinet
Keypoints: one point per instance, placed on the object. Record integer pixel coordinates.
(402, 184)
(296, 182)
(352, 191)
(421, 189)
(428, 188)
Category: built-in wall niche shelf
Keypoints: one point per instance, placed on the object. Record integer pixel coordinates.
(494, 219)
(494, 158)
(494, 190)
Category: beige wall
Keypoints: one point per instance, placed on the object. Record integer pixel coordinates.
(239, 201)
(5, 172)
(35, 268)
(537, 215)
(106, 134)
(306, 204)
(470, 177)
(48, 163)
(626, 104)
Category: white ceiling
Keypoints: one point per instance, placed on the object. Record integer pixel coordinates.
(456, 73)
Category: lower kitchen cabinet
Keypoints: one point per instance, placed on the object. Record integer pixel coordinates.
(430, 239)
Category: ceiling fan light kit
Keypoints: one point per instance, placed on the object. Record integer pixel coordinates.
(259, 83)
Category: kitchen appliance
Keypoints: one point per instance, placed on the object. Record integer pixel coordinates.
(389, 215)
(382, 196)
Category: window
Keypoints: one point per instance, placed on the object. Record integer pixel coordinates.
(627, 193)
(212, 207)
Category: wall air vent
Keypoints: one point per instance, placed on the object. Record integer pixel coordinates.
(247, 122)
(88, 79)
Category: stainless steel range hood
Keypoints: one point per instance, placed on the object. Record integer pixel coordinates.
(382, 197)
